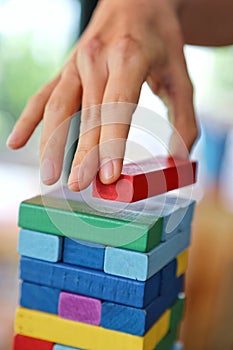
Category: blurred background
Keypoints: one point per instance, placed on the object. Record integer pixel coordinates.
(35, 39)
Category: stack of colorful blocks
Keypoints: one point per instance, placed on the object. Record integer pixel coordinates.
(101, 275)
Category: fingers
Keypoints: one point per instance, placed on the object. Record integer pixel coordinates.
(62, 104)
(182, 112)
(31, 116)
(126, 76)
(175, 89)
(93, 73)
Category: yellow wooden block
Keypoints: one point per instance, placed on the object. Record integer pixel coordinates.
(158, 331)
(182, 263)
(53, 328)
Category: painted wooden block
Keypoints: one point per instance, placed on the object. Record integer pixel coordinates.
(168, 280)
(168, 273)
(83, 253)
(38, 297)
(80, 308)
(182, 263)
(168, 285)
(138, 321)
(58, 330)
(178, 214)
(130, 229)
(176, 315)
(147, 178)
(167, 342)
(63, 347)
(177, 311)
(89, 282)
(22, 342)
(185, 204)
(141, 266)
(172, 271)
(39, 245)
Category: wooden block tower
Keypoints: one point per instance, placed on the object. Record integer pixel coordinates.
(101, 275)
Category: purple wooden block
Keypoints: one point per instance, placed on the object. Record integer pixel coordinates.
(79, 308)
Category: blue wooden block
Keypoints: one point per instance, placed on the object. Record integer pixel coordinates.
(83, 253)
(169, 271)
(40, 245)
(63, 347)
(168, 277)
(142, 266)
(178, 214)
(89, 282)
(39, 297)
(138, 321)
(175, 283)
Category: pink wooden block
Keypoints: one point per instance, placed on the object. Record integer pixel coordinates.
(79, 308)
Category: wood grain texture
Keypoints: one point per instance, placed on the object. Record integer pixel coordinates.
(142, 266)
(138, 321)
(89, 282)
(89, 310)
(83, 253)
(53, 328)
(80, 308)
(39, 297)
(147, 178)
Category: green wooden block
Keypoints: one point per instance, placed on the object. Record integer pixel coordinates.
(177, 311)
(129, 229)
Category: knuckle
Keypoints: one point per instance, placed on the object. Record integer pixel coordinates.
(91, 48)
(127, 47)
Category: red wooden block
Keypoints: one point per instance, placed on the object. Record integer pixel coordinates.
(22, 342)
(146, 179)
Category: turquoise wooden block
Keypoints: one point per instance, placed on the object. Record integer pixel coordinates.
(142, 266)
(40, 245)
(63, 347)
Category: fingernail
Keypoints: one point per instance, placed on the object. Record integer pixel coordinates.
(12, 139)
(107, 170)
(47, 171)
(76, 175)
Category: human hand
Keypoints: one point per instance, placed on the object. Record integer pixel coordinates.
(125, 44)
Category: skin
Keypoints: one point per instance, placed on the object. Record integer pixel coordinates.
(118, 52)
